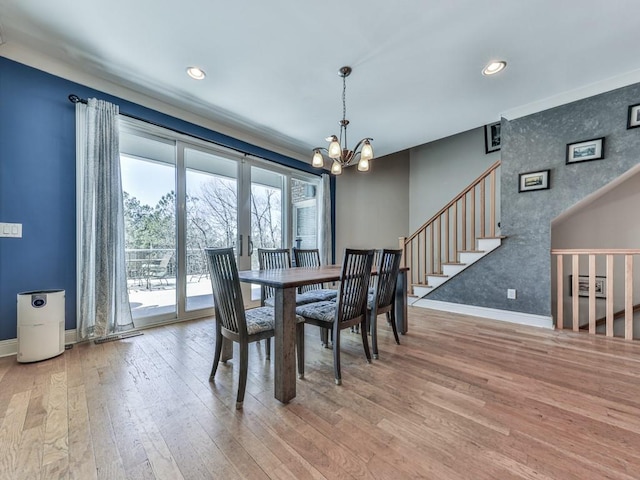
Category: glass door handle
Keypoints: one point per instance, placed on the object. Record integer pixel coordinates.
(240, 243)
(249, 245)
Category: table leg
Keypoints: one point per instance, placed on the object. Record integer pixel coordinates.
(285, 344)
(401, 303)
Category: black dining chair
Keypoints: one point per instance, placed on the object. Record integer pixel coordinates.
(350, 307)
(235, 323)
(382, 300)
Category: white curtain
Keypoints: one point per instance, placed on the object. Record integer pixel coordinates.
(325, 221)
(103, 302)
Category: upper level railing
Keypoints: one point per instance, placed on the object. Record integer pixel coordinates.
(455, 228)
(603, 279)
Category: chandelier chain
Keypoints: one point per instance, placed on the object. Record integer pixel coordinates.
(344, 97)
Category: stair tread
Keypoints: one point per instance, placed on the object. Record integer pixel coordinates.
(471, 251)
(491, 238)
(421, 285)
(437, 275)
(453, 263)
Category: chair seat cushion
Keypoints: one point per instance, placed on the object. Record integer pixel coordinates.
(324, 311)
(318, 295)
(261, 319)
(311, 296)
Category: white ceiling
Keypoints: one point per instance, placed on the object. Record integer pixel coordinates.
(272, 66)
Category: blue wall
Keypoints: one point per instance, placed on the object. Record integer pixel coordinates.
(37, 181)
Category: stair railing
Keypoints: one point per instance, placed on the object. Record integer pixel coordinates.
(455, 228)
(595, 275)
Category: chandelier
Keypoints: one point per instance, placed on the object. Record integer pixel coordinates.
(338, 151)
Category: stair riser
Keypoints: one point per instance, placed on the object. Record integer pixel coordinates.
(470, 258)
(488, 244)
(451, 270)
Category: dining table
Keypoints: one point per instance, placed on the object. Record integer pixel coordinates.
(285, 282)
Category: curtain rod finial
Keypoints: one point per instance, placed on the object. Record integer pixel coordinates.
(73, 98)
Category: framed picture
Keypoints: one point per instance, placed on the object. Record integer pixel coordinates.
(583, 286)
(534, 181)
(492, 137)
(585, 150)
(634, 116)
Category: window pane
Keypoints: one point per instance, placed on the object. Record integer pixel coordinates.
(211, 218)
(150, 235)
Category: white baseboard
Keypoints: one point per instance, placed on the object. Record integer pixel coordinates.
(10, 347)
(492, 313)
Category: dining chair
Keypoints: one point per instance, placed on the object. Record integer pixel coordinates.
(235, 323)
(350, 307)
(382, 300)
(311, 258)
(274, 258)
(271, 258)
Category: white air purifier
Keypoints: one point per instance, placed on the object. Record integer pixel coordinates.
(40, 325)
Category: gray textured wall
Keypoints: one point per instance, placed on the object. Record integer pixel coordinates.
(539, 142)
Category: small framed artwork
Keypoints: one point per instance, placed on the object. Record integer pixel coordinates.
(534, 181)
(585, 150)
(583, 286)
(492, 137)
(634, 116)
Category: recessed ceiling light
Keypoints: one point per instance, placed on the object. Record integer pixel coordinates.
(196, 73)
(494, 67)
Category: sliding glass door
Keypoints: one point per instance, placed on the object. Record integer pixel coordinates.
(211, 218)
(182, 195)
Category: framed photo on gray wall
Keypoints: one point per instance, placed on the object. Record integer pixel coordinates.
(585, 150)
(534, 181)
(583, 286)
(634, 116)
(492, 137)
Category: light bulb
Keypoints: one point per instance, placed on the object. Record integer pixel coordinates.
(363, 165)
(317, 161)
(335, 150)
(336, 168)
(367, 152)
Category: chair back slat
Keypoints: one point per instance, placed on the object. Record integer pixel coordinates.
(307, 258)
(272, 258)
(354, 284)
(227, 296)
(388, 267)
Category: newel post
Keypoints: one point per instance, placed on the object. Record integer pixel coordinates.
(401, 241)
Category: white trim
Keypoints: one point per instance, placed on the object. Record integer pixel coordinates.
(586, 91)
(492, 313)
(10, 347)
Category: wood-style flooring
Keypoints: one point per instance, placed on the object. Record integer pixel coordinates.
(461, 398)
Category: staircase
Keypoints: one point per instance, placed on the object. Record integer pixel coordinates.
(450, 270)
(460, 234)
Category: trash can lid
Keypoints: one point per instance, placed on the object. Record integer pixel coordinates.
(40, 292)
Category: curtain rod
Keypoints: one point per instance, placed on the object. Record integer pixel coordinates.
(73, 98)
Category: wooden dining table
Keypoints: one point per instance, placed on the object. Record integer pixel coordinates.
(285, 283)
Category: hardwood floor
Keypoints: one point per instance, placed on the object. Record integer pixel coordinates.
(461, 398)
